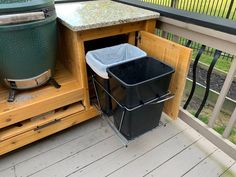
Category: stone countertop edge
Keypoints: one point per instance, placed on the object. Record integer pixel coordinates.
(106, 23)
(101, 25)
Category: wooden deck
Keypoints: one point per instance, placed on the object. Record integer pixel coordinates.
(92, 149)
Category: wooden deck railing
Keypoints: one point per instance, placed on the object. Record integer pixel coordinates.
(222, 42)
(211, 32)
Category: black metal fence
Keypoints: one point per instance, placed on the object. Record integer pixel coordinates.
(219, 8)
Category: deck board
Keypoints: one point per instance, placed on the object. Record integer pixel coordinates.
(62, 154)
(49, 143)
(231, 172)
(124, 156)
(8, 172)
(91, 149)
(182, 163)
(215, 165)
(158, 156)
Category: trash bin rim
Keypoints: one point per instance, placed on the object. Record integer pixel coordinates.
(90, 57)
(143, 82)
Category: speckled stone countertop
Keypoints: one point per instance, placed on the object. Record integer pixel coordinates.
(81, 16)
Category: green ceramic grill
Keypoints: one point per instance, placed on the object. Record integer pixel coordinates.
(28, 44)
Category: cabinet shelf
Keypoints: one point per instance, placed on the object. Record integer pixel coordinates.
(34, 102)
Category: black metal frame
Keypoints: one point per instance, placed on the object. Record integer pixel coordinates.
(210, 70)
(194, 75)
(13, 90)
(157, 100)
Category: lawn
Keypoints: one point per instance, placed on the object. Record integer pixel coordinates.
(222, 64)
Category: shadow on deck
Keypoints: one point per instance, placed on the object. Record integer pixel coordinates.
(92, 149)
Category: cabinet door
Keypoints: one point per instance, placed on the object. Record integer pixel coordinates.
(175, 55)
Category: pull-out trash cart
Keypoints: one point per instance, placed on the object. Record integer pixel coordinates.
(143, 89)
(143, 84)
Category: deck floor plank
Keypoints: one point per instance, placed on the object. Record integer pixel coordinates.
(231, 172)
(49, 143)
(8, 172)
(185, 160)
(62, 153)
(136, 149)
(214, 166)
(146, 163)
(91, 149)
(83, 159)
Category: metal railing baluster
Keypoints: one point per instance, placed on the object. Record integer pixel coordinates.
(213, 63)
(194, 76)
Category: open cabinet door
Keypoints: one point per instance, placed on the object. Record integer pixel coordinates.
(175, 55)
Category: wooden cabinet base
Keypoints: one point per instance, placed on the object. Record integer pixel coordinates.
(34, 102)
(57, 123)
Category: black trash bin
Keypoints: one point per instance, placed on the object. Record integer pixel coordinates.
(99, 60)
(140, 81)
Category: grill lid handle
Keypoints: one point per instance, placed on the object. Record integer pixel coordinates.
(21, 18)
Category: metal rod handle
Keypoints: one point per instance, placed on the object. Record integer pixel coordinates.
(165, 98)
(47, 124)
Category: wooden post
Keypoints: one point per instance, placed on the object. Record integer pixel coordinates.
(150, 26)
(228, 81)
(83, 71)
(230, 125)
(131, 39)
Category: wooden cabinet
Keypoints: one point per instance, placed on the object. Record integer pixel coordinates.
(38, 113)
(41, 112)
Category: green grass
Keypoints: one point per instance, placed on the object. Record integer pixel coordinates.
(232, 136)
(203, 118)
(222, 64)
(219, 128)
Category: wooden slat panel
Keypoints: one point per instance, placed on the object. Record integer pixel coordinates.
(38, 101)
(175, 55)
(31, 136)
(28, 125)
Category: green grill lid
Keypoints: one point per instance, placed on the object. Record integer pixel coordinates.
(13, 6)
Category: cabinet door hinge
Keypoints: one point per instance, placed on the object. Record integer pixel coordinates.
(139, 38)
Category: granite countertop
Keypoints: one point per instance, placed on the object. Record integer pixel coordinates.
(81, 16)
